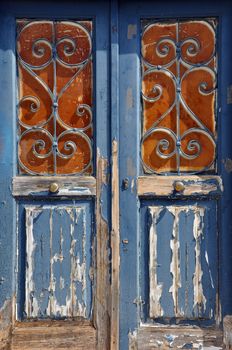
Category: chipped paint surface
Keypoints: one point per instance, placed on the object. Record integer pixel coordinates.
(227, 325)
(56, 275)
(193, 185)
(175, 263)
(31, 303)
(115, 250)
(101, 260)
(155, 287)
(177, 281)
(132, 336)
(6, 323)
(68, 186)
(179, 337)
(199, 298)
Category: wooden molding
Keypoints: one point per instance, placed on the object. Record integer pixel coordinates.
(68, 185)
(161, 186)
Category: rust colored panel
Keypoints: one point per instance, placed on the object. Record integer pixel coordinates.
(156, 50)
(179, 74)
(55, 72)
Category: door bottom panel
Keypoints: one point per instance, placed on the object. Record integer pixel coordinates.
(53, 335)
(178, 337)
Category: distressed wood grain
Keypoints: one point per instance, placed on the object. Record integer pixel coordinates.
(179, 337)
(52, 335)
(115, 242)
(194, 185)
(68, 185)
(101, 310)
(227, 327)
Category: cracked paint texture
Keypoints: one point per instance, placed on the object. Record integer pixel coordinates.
(58, 244)
(183, 261)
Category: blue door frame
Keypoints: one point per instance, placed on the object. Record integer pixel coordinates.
(118, 102)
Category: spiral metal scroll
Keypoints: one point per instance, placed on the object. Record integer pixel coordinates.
(171, 59)
(49, 139)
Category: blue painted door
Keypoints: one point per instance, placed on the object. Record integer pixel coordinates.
(175, 198)
(55, 163)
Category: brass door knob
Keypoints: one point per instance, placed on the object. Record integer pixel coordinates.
(179, 186)
(54, 187)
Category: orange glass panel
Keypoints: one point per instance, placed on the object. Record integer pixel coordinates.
(179, 73)
(55, 73)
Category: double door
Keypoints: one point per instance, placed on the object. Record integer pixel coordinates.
(116, 163)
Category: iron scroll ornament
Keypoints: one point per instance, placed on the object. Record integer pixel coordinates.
(186, 55)
(53, 138)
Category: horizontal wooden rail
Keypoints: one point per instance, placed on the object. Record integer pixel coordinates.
(192, 185)
(68, 185)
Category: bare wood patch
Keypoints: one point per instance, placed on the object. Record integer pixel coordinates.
(175, 263)
(165, 185)
(199, 298)
(102, 282)
(53, 335)
(155, 287)
(68, 185)
(227, 327)
(179, 337)
(115, 241)
(6, 325)
(132, 336)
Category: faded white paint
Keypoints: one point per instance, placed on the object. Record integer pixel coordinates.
(155, 287)
(78, 269)
(52, 286)
(175, 262)
(210, 273)
(31, 303)
(198, 225)
(72, 307)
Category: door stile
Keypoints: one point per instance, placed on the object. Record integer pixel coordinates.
(225, 156)
(101, 310)
(7, 156)
(129, 171)
(115, 233)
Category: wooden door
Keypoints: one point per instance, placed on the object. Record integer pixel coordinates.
(175, 108)
(56, 154)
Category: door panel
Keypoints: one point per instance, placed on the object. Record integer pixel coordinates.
(179, 94)
(179, 260)
(58, 263)
(55, 97)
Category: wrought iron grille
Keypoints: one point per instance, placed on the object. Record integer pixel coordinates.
(179, 83)
(55, 125)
